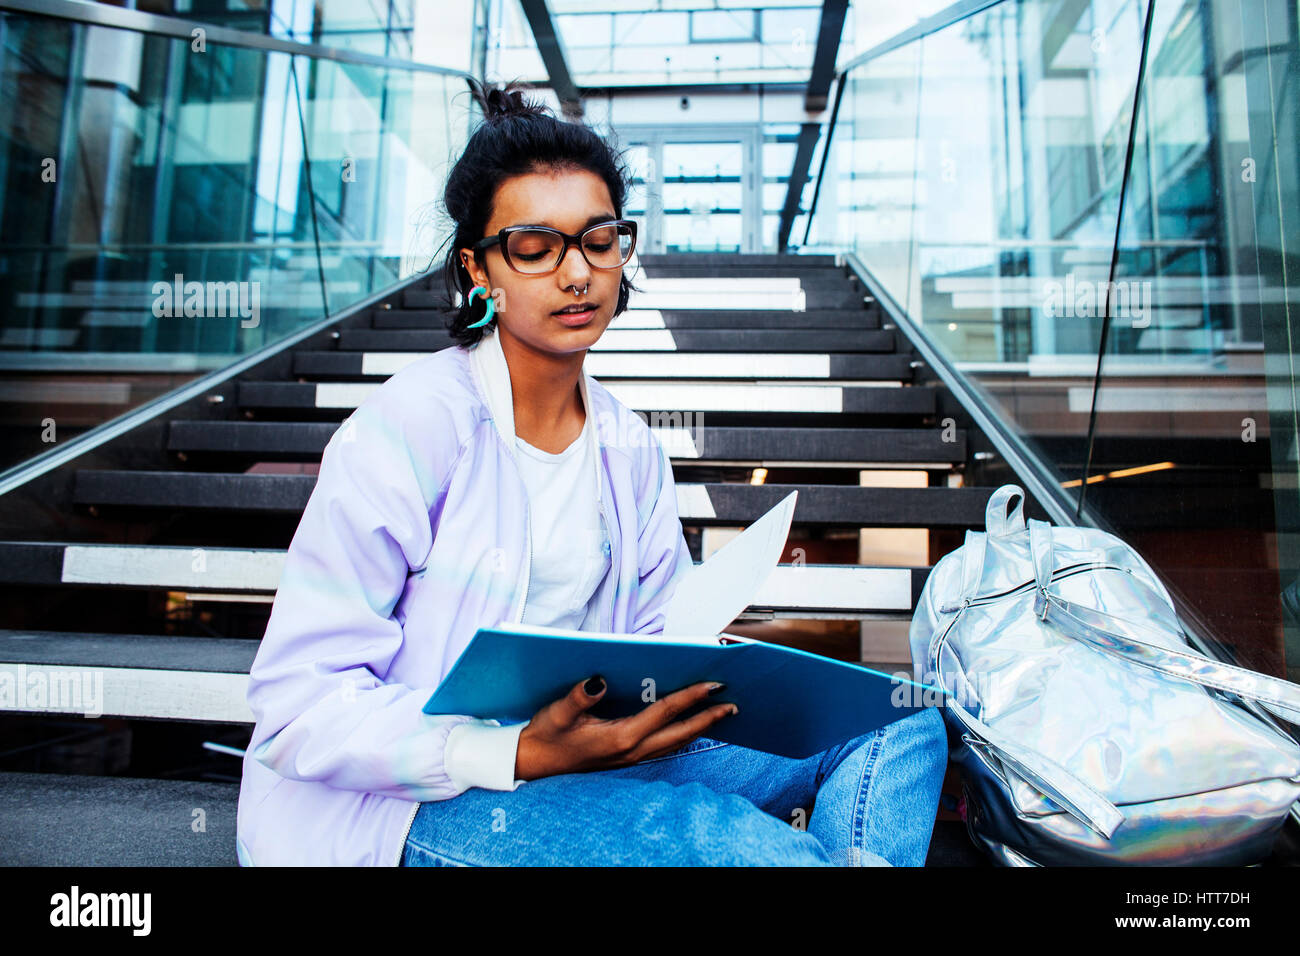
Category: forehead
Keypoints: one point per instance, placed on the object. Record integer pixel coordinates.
(562, 199)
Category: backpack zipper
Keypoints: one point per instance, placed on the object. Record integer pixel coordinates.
(1065, 572)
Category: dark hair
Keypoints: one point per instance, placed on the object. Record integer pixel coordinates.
(516, 137)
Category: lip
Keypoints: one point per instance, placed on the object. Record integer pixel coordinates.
(575, 319)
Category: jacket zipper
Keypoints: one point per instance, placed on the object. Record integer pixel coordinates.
(528, 564)
(610, 537)
(406, 832)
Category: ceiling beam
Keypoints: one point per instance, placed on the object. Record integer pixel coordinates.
(552, 53)
(824, 56)
(808, 134)
(814, 101)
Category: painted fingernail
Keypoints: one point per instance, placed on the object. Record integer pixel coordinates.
(594, 686)
(716, 688)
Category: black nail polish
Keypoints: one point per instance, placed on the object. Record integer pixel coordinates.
(718, 690)
(594, 686)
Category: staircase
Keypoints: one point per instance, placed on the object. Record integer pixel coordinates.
(147, 567)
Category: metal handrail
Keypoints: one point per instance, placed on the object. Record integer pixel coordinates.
(922, 28)
(32, 468)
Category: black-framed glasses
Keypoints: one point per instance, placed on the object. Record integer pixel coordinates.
(537, 250)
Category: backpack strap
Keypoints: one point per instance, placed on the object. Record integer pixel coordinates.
(996, 520)
(1041, 555)
(1141, 644)
(1069, 792)
(972, 570)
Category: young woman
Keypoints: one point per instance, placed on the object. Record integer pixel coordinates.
(494, 481)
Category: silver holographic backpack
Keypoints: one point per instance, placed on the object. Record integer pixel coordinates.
(1091, 732)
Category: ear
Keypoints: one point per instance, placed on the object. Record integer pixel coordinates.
(475, 269)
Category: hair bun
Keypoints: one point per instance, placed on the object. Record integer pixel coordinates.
(506, 101)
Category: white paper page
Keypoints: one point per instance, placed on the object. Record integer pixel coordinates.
(710, 596)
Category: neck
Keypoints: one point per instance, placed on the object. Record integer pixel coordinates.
(544, 387)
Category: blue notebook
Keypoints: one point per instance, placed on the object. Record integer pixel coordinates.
(792, 703)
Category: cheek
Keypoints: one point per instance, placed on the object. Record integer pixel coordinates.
(508, 293)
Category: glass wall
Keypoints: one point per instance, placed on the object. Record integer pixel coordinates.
(992, 178)
(446, 34)
(172, 203)
(1200, 467)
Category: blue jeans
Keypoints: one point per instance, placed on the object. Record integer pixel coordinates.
(870, 801)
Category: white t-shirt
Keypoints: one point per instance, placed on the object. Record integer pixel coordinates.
(570, 550)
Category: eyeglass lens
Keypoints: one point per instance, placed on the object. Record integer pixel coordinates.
(533, 250)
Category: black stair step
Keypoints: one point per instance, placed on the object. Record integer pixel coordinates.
(250, 438)
(425, 298)
(809, 277)
(698, 319)
(860, 400)
(732, 340)
(875, 445)
(647, 365)
(852, 506)
(219, 655)
(840, 295)
(736, 504)
(758, 445)
(56, 819)
(399, 318)
(772, 260)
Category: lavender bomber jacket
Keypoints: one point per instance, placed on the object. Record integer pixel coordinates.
(417, 534)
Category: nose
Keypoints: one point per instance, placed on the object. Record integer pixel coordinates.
(574, 269)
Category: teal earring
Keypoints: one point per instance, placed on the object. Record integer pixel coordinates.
(488, 301)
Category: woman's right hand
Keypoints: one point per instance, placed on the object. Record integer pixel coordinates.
(563, 738)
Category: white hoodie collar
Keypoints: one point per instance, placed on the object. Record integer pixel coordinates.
(488, 363)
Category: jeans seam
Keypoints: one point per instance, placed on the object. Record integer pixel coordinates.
(858, 838)
(436, 853)
(688, 753)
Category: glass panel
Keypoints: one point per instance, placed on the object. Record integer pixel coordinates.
(867, 194)
(439, 34)
(1007, 165)
(703, 196)
(371, 141)
(1194, 458)
(162, 216)
(984, 194)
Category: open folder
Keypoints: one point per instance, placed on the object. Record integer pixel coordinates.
(791, 703)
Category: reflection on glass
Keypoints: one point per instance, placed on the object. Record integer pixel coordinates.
(978, 174)
(1194, 458)
(702, 196)
(186, 210)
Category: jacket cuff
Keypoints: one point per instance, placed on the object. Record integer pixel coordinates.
(482, 754)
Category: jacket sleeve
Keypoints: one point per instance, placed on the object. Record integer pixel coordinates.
(664, 556)
(317, 687)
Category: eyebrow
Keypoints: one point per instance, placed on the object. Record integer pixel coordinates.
(591, 221)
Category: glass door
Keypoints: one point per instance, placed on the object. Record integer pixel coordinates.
(695, 191)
